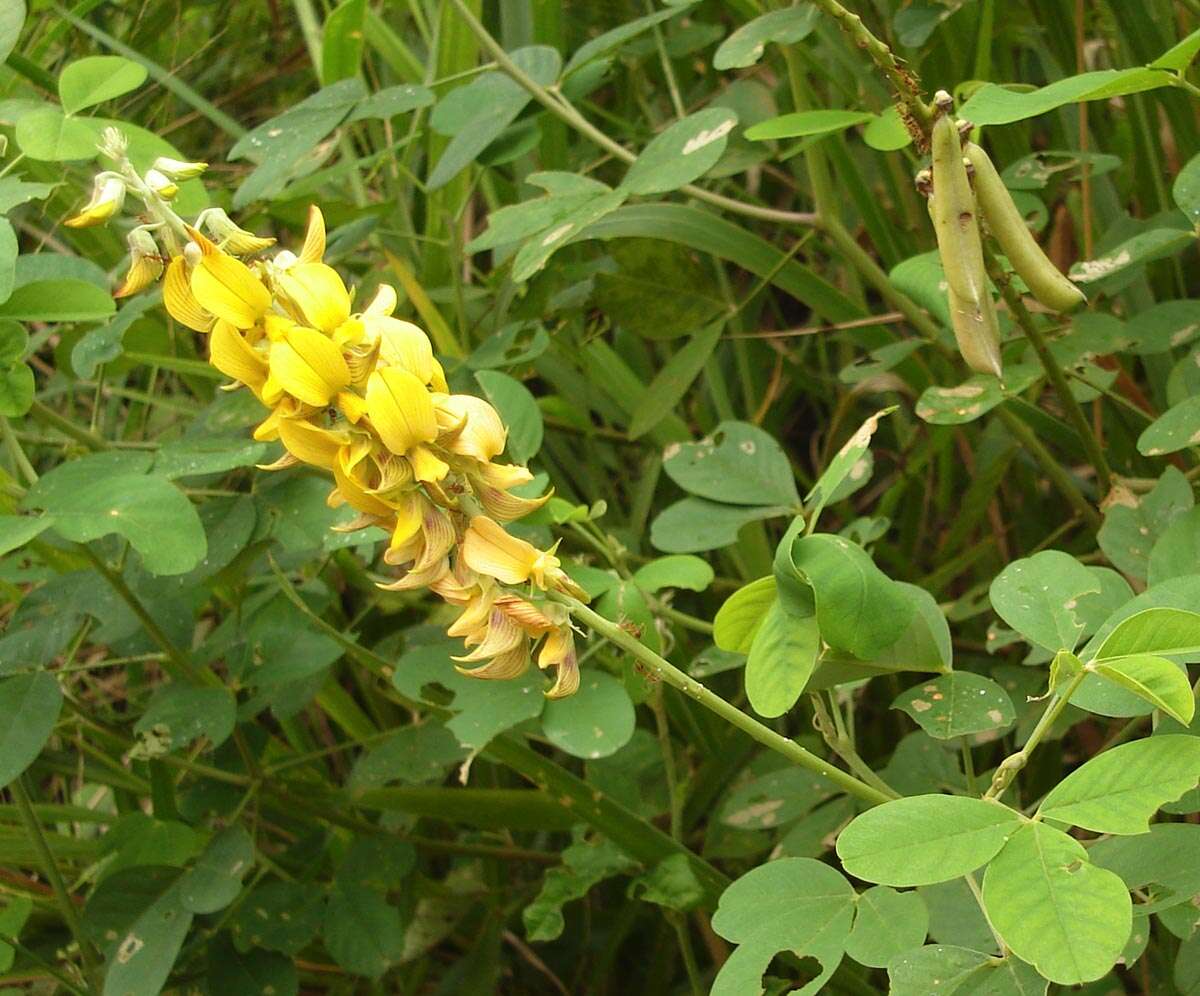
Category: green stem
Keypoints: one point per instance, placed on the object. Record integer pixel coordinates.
(50, 417)
(667, 672)
(66, 905)
(1058, 476)
(562, 109)
(1015, 762)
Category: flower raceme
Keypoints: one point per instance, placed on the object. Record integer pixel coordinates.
(360, 396)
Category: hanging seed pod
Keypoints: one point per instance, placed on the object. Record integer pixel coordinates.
(1008, 228)
(952, 208)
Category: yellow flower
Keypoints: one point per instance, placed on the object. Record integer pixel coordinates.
(401, 344)
(312, 444)
(180, 302)
(558, 651)
(178, 170)
(230, 353)
(145, 264)
(229, 236)
(161, 184)
(313, 250)
(489, 549)
(478, 431)
(307, 365)
(226, 286)
(108, 194)
(400, 409)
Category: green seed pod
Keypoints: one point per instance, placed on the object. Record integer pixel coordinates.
(976, 328)
(954, 219)
(1007, 226)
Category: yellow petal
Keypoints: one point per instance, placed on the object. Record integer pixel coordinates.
(505, 507)
(316, 446)
(401, 410)
(383, 303)
(557, 647)
(426, 465)
(409, 516)
(143, 271)
(402, 344)
(230, 353)
(314, 237)
(180, 301)
(483, 435)
(352, 490)
(227, 287)
(351, 405)
(315, 295)
(309, 366)
(502, 636)
(511, 664)
(489, 549)
(503, 476)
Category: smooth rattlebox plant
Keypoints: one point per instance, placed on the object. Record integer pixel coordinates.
(526, 498)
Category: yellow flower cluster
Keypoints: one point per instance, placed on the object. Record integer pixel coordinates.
(361, 396)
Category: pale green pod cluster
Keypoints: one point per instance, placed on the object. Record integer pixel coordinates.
(955, 222)
(1004, 221)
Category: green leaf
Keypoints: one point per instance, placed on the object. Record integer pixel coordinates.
(50, 136)
(739, 464)
(1040, 597)
(362, 931)
(91, 81)
(887, 132)
(178, 714)
(671, 883)
(993, 104)
(747, 44)
(846, 464)
(279, 916)
(1053, 908)
(31, 703)
(1159, 681)
(216, 879)
(1177, 551)
(154, 515)
(58, 301)
(1119, 790)
(1133, 525)
(793, 904)
(8, 259)
(1176, 429)
(782, 656)
(975, 396)
(477, 113)
(774, 799)
(739, 618)
(1153, 630)
(687, 150)
(1186, 189)
(695, 524)
(799, 124)
(105, 343)
(414, 755)
(12, 18)
(391, 101)
(681, 571)
(17, 530)
(146, 950)
(596, 721)
(196, 457)
(1143, 248)
(924, 839)
(16, 390)
(514, 222)
(887, 923)
(537, 252)
(251, 973)
(342, 41)
(12, 917)
(1180, 55)
(945, 970)
(518, 410)
(957, 705)
(584, 864)
(672, 382)
(609, 41)
(859, 608)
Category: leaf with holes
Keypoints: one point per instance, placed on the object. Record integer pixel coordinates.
(957, 705)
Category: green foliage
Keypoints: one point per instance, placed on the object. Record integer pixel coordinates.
(892, 677)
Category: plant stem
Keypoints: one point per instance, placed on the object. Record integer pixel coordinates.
(666, 671)
(1015, 762)
(66, 905)
(557, 105)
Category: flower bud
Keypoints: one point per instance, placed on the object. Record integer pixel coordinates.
(145, 263)
(177, 169)
(108, 194)
(230, 236)
(161, 184)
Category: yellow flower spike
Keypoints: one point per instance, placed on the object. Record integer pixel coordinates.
(313, 293)
(309, 367)
(314, 237)
(489, 549)
(230, 353)
(511, 664)
(483, 436)
(226, 286)
(400, 410)
(108, 194)
(312, 444)
(180, 302)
